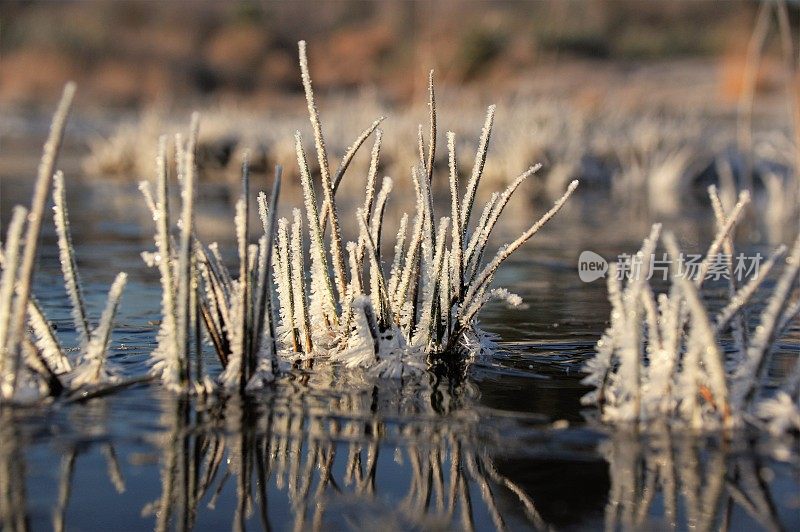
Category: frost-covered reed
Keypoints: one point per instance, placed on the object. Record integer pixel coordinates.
(197, 286)
(33, 364)
(302, 296)
(662, 357)
(424, 307)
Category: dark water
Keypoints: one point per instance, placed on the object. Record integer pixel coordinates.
(506, 446)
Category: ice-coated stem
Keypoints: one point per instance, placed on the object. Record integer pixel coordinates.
(264, 301)
(66, 253)
(488, 272)
(319, 273)
(185, 262)
(40, 192)
(327, 185)
(7, 283)
(477, 169)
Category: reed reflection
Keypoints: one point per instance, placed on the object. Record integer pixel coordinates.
(334, 460)
(314, 453)
(677, 480)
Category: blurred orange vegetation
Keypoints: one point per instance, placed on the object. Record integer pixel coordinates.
(133, 53)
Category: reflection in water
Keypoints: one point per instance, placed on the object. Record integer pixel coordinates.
(66, 474)
(306, 457)
(417, 456)
(326, 462)
(13, 515)
(668, 480)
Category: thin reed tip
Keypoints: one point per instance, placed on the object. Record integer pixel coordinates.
(669, 238)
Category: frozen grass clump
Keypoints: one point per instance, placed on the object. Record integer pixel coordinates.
(33, 364)
(197, 287)
(303, 296)
(655, 156)
(425, 305)
(662, 359)
(127, 151)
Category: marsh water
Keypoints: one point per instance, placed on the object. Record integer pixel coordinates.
(504, 443)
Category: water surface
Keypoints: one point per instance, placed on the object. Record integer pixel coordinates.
(504, 443)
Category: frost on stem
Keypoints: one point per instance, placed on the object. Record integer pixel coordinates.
(327, 185)
(46, 340)
(782, 413)
(93, 367)
(24, 277)
(323, 306)
(185, 263)
(166, 356)
(481, 282)
(66, 254)
(477, 169)
(302, 314)
(753, 370)
(7, 283)
(283, 286)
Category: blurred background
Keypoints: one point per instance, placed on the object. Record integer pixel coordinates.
(640, 100)
(127, 54)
